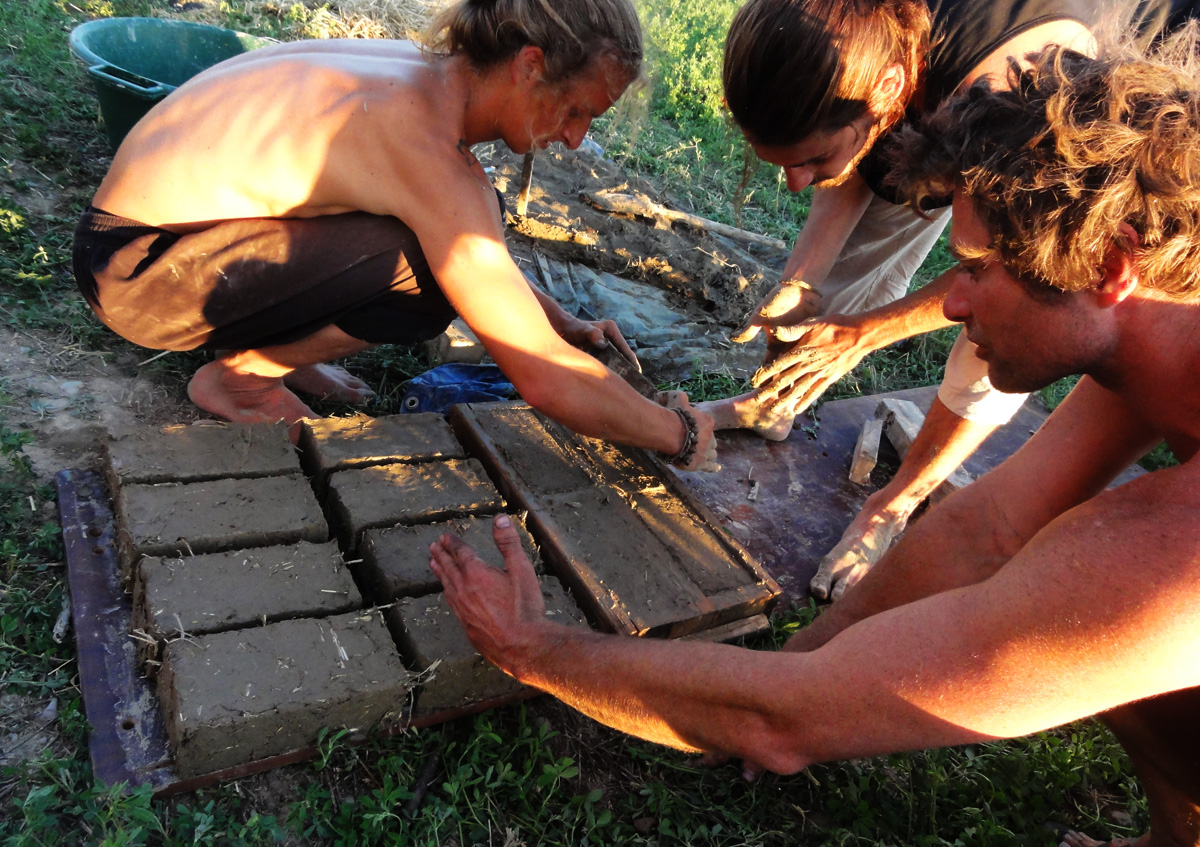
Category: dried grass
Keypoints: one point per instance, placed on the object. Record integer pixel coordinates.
(404, 19)
(398, 18)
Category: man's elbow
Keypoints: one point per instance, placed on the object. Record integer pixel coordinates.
(780, 750)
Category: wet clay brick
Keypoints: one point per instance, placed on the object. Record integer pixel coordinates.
(335, 444)
(198, 595)
(200, 451)
(237, 697)
(626, 566)
(207, 517)
(395, 562)
(386, 495)
(529, 448)
(428, 631)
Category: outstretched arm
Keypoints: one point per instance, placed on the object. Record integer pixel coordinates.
(1051, 634)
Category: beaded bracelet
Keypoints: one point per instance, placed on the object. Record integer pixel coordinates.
(690, 439)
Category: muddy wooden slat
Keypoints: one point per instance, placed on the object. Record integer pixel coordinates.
(732, 631)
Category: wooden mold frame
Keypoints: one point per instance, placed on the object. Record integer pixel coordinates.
(739, 607)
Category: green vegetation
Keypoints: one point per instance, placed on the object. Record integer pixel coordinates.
(533, 774)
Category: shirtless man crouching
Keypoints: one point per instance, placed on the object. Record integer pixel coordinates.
(306, 201)
(1035, 596)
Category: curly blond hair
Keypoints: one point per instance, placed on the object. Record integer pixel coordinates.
(1075, 148)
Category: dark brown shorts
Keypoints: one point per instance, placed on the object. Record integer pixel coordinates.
(258, 282)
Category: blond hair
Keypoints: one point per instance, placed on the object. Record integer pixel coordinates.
(571, 35)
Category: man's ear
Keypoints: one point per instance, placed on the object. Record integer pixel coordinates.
(1119, 276)
(529, 65)
(889, 88)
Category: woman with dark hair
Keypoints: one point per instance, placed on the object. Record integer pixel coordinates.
(306, 201)
(816, 86)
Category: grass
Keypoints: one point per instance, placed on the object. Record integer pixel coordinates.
(533, 774)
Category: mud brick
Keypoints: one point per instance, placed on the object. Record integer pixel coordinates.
(428, 631)
(237, 697)
(200, 451)
(526, 447)
(334, 444)
(199, 595)
(395, 561)
(635, 581)
(173, 519)
(386, 495)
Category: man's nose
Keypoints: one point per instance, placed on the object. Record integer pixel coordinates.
(574, 131)
(798, 179)
(957, 305)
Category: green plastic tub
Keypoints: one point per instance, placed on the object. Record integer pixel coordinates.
(135, 62)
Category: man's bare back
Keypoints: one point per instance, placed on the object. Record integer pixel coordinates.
(320, 128)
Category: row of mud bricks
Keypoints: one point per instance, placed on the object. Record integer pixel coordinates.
(280, 590)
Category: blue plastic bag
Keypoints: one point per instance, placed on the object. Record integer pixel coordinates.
(438, 389)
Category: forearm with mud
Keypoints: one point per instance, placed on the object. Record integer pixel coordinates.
(913, 314)
(945, 441)
(831, 218)
(574, 389)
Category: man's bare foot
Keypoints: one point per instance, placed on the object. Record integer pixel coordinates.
(745, 412)
(863, 544)
(1079, 839)
(245, 398)
(329, 382)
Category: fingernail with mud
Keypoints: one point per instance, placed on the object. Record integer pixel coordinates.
(503, 522)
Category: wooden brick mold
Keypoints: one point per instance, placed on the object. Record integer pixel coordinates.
(637, 549)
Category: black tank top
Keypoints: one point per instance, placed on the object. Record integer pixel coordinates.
(965, 32)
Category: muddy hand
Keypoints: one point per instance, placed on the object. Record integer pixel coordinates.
(501, 611)
(581, 333)
(821, 351)
(785, 305)
(863, 544)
